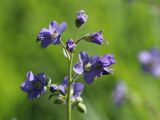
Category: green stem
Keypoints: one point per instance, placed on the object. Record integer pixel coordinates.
(79, 40)
(74, 77)
(69, 95)
(69, 89)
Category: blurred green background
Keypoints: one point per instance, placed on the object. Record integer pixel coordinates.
(129, 25)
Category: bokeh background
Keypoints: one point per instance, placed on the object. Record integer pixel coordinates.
(129, 26)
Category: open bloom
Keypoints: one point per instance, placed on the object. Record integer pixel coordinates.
(77, 88)
(34, 85)
(81, 18)
(70, 45)
(150, 61)
(52, 34)
(95, 66)
(96, 37)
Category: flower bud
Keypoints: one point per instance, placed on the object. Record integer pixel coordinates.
(79, 99)
(70, 45)
(96, 37)
(60, 100)
(81, 107)
(53, 88)
(81, 18)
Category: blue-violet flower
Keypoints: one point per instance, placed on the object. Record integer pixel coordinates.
(34, 85)
(51, 35)
(95, 66)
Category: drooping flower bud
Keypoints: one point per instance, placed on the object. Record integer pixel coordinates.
(81, 18)
(70, 45)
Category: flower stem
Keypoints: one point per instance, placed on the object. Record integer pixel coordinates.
(74, 77)
(79, 40)
(69, 88)
(69, 95)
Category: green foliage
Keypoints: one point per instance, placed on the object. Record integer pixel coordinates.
(129, 25)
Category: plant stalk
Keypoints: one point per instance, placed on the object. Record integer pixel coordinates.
(69, 89)
(69, 95)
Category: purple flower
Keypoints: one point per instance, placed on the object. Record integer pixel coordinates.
(150, 61)
(70, 45)
(77, 88)
(119, 93)
(96, 37)
(92, 67)
(34, 85)
(81, 18)
(52, 34)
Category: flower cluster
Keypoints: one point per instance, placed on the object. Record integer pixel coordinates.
(150, 61)
(89, 68)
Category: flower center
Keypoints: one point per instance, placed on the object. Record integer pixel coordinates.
(87, 67)
(37, 85)
(54, 35)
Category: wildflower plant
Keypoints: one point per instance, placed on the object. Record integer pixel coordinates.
(88, 68)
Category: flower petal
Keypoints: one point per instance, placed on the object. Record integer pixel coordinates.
(84, 58)
(26, 86)
(108, 60)
(65, 81)
(89, 77)
(62, 27)
(94, 59)
(106, 71)
(78, 88)
(33, 94)
(63, 85)
(44, 35)
(56, 40)
(62, 88)
(41, 77)
(45, 43)
(30, 76)
(53, 26)
(78, 68)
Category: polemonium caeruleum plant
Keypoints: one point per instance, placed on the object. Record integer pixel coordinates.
(89, 67)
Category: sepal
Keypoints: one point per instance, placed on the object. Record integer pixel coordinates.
(48, 81)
